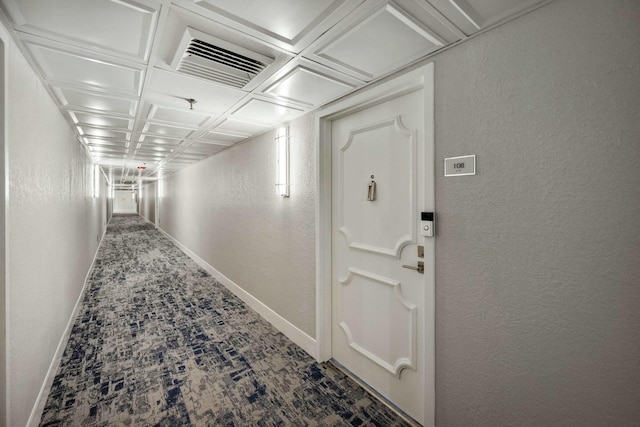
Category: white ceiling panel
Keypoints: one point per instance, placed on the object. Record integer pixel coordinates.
(147, 158)
(167, 130)
(72, 68)
(240, 127)
(151, 156)
(150, 153)
(148, 163)
(104, 133)
(112, 156)
(105, 142)
(104, 149)
(221, 138)
(90, 23)
(162, 149)
(381, 39)
(307, 83)
(100, 120)
(160, 140)
(72, 98)
(172, 90)
(111, 159)
(169, 82)
(266, 111)
(473, 15)
(178, 116)
(291, 24)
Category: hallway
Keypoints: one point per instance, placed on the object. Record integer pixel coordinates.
(534, 307)
(158, 341)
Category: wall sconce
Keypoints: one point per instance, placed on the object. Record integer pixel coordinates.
(96, 181)
(160, 188)
(282, 173)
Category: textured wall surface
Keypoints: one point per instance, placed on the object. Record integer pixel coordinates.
(3, 276)
(148, 202)
(225, 209)
(538, 256)
(53, 227)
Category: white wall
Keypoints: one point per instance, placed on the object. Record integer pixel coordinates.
(53, 228)
(124, 202)
(225, 209)
(538, 256)
(3, 275)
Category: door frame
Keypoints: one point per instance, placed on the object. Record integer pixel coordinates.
(420, 78)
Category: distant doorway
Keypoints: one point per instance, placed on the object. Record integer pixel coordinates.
(125, 202)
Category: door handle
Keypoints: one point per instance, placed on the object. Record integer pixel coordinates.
(419, 268)
(371, 192)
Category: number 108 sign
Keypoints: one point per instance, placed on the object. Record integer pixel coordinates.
(459, 166)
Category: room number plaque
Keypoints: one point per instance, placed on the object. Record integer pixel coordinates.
(459, 166)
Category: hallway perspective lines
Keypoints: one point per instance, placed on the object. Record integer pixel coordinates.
(159, 342)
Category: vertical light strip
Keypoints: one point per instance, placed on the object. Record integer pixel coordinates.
(282, 147)
(96, 181)
(160, 188)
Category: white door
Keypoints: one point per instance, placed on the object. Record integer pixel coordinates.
(378, 306)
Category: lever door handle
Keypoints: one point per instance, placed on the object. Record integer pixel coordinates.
(419, 268)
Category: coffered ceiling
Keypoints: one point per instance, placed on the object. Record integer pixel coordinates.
(162, 84)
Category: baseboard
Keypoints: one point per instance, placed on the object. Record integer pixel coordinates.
(299, 337)
(41, 401)
(147, 221)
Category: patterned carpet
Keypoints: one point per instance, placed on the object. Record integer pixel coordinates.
(159, 342)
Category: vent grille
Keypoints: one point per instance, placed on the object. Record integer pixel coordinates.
(216, 60)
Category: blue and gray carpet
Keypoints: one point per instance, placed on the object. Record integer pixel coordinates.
(159, 342)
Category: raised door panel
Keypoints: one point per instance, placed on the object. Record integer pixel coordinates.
(377, 320)
(382, 153)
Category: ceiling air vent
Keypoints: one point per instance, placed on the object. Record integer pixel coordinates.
(210, 58)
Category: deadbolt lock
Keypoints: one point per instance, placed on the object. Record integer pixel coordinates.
(420, 251)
